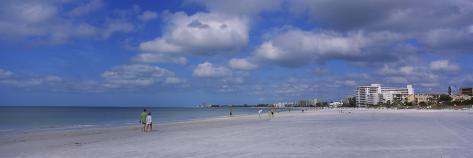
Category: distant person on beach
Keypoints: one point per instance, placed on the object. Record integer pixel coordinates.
(231, 112)
(143, 119)
(259, 113)
(149, 122)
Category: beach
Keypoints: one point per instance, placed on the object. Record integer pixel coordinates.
(321, 133)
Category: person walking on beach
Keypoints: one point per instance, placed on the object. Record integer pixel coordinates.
(149, 122)
(143, 119)
(270, 113)
(259, 113)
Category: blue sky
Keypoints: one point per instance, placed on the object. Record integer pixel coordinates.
(184, 53)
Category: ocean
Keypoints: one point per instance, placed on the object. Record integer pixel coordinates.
(44, 118)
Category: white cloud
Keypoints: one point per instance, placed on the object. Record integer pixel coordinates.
(9, 79)
(173, 80)
(446, 28)
(148, 15)
(242, 64)
(17, 19)
(448, 40)
(87, 8)
(443, 65)
(5, 73)
(292, 87)
(207, 69)
(31, 12)
(396, 80)
(241, 6)
(201, 33)
(160, 46)
(349, 83)
(295, 47)
(49, 22)
(114, 26)
(158, 58)
(399, 70)
(138, 75)
(408, 70)
(125, 76)
(418, 74)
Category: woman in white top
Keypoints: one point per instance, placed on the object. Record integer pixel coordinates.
(149, 122)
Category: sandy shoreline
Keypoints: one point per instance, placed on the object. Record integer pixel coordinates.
(326, 133)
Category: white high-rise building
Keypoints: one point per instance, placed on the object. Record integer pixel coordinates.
(390, 94)
(368, 95)
(375, 94)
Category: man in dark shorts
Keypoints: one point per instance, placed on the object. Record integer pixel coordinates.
(143, 118)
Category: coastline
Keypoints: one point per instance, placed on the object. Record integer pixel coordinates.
(232, 135)
(43, 118)
(196, 120)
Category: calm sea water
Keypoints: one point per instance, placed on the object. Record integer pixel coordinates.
(38, 118)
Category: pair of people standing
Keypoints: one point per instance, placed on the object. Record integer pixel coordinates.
(146, 120)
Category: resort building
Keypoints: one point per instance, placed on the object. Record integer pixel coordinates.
(283, 104)
(368, 95)
(390, 94)
(466, 91)
(460, 97)
(311, 102)
(419, 98)
(375, 94)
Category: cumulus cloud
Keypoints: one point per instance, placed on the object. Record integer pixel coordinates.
(242, 64)
(31, 82)
(119, 77)
(114, 26)
(399, 15)
(240, 7)
(207, 69)
(443, 65)
(418, 74)
(350, 83)
(138, 75)
(451, 40)
(296, 47)
(148, 15)
(86, 8)
(51, 22)
(200, 34)
(17, 19)
(158, 58)
(8, 78)
(441, 26)
(401, 70)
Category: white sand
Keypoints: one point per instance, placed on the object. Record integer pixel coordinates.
(327, 133)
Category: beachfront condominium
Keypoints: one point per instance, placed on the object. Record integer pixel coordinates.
(391, 94)
(368, 95)
(375, 94)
